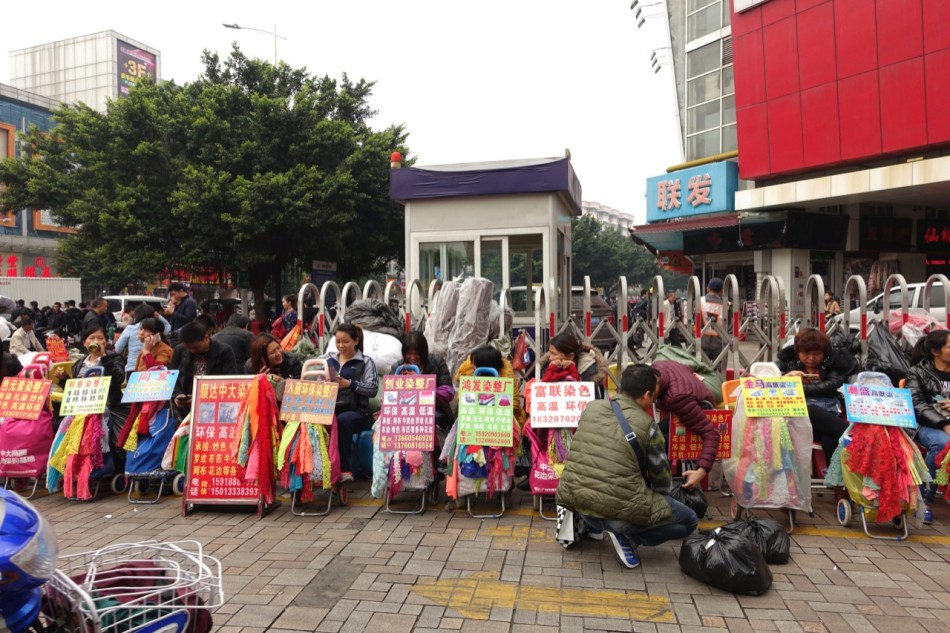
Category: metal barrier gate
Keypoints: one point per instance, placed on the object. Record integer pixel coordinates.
(746, 339)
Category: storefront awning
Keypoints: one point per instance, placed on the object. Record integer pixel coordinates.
(668, 236)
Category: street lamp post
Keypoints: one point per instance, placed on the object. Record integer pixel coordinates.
(251, 28)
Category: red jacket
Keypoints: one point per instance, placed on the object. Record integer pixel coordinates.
(681, 392)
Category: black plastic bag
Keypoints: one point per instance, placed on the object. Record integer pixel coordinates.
(885, 354)
(694, 499)
(768, 535)
(727, 561)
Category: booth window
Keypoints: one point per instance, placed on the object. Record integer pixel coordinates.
(445, 261)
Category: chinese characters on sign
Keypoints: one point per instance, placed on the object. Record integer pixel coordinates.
(133, 64)
(85, 396)
(559, 404)
(57, 349)
(686, 445)
(486, 411)
(23, 398)
(150, 386)
(212, 471)
(774, 397)
(669, 192)
(879, 405)
(309, 401)
(407, 422)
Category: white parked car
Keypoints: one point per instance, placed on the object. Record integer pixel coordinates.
(915, 299)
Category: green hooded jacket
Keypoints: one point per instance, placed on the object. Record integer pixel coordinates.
(602, 478)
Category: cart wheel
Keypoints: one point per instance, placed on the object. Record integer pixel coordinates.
(140, 487)
(735, 511)
(118, 484)
(178, 484)
(343, 494)
(434, 493)
(844, 512)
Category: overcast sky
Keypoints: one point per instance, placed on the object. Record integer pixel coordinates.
(471, 81)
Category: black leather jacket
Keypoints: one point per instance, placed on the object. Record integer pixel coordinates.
(834, 371)
(924, 385)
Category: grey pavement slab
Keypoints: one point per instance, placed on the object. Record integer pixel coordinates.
(361, 569)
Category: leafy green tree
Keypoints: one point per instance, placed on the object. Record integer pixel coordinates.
(243, 170)
(604, 254)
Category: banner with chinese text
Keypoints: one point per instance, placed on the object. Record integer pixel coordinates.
(212, 471)
(888, 406)
(150, 386)
(557, 405)
(774, 397)
(309, 401)
(57, 349)
(407, 421)
(686, 445)
(23, 398)
(486, 411)
(85, 396)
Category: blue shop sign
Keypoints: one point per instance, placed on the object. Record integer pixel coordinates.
(695, 191)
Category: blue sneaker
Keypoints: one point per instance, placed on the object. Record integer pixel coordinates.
(595, 534)
(928, 516)
(627, 555)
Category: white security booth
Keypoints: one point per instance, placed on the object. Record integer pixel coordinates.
(507, 221)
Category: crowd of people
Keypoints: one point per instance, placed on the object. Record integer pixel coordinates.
(617, 478)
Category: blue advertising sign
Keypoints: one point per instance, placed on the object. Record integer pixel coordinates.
(887, 406)
(695, 191)
(150, 386)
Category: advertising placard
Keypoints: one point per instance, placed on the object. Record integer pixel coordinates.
(556, 405)
(774, 397)
(486, 411)
(133, 64)
(85, 396)
(309, 401)
(23, 398)
(888, 406)
(686, 445)
(57, 349)
(407, 422)
(212, 471)
(149, 386)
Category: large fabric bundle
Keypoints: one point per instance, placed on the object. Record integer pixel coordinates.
(375, 316)
(442, 319)
(471, 326)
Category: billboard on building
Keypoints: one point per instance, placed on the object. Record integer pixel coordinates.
(133, 64)
(695, 191)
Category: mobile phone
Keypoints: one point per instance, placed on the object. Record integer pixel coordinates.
(939, 398)
(810, 376)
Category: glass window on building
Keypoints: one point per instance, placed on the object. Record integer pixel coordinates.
(5, 138)
(526, 271)
(445, 261)
(710, 98)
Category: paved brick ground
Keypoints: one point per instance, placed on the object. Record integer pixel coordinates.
(361, 569)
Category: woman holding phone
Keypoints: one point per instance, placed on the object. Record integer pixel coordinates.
(823, 370)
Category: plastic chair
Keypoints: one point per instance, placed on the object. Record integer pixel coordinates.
(730, 394)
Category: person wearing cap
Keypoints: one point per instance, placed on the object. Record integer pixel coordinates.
(712, 305)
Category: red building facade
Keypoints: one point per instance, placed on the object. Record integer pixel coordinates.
(823, 83)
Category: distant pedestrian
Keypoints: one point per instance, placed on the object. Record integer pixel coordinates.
(182, 309)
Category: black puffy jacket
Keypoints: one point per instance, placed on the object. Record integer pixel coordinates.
(924, 385)
(833, 372)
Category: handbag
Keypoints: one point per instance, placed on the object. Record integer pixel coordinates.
(570, 528)
(278, 329)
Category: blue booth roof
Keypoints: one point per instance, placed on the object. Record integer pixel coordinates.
(539, 175)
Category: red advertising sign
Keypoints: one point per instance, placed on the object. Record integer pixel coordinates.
(407, 422)
(23, 398)
(686, 445)
(57, 349)
(212, 471)
(309, 401)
